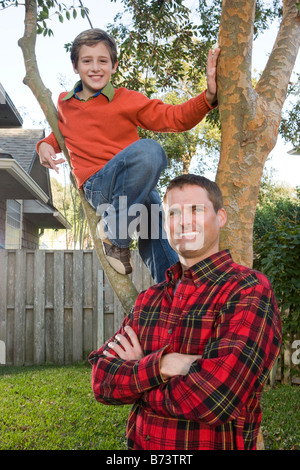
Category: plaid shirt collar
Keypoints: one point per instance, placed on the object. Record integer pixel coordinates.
(108, 91)
(205, 269)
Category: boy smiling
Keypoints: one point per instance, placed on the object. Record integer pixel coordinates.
(100, 128)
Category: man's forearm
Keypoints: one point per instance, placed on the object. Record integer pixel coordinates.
(176, 364)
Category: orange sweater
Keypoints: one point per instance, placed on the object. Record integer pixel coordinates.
(96, 130)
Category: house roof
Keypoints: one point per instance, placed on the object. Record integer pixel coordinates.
(23, 177)
(21, 144)
(9, 115)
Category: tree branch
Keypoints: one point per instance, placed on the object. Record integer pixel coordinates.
(274, 81)
(122, 285)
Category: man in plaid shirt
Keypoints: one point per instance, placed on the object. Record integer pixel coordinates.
(193, 355)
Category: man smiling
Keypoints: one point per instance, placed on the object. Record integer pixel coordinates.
(196, 350)
(188, 220)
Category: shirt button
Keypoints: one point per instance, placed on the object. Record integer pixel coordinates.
(147, 437)
(170, 331)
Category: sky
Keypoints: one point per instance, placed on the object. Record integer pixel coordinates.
(54, 62)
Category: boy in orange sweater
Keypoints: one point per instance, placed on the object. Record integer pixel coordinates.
(117, 171)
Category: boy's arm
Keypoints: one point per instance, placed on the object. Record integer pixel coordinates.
(48, 157)
(157, 116)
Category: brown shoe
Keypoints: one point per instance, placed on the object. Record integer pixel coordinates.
(118, 258)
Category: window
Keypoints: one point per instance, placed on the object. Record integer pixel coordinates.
(13, 230)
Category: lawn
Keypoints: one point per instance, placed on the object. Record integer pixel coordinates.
(53, 408)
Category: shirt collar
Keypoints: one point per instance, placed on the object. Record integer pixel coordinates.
(207, 268)
(108, 91)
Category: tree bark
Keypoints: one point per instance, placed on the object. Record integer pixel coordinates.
(122, 285)
(250, 117)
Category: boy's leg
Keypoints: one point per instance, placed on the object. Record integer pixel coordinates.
(154, 249)
(125, 181)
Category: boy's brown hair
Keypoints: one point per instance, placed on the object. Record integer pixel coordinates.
(90, 37)
(211, 187)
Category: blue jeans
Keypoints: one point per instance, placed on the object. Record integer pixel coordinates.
(124, 193)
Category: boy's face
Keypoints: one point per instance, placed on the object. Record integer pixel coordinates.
(94, 67)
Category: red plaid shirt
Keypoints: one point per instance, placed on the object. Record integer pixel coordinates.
(223, 311)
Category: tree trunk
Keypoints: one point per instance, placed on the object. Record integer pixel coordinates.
(249, 117)
(122, 285)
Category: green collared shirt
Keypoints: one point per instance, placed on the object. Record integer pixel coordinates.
(107, 91)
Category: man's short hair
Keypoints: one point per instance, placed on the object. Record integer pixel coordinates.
(213, 190)
(90, 37)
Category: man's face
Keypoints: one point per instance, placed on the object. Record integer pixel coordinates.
(94, 67)
(192, 225)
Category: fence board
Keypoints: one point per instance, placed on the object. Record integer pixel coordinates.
(57, 306)
(20, 309)
(77, 320)
(3, 280)
(39, 307)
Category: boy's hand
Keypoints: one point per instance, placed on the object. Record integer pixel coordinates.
(211, 73)
(48, 157)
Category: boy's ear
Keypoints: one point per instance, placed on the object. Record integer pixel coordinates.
(74, 67)
(115, 67)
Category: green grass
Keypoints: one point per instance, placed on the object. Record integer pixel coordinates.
(281, 417)
(53, 408)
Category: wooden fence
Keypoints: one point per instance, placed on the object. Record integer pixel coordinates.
(57, 306)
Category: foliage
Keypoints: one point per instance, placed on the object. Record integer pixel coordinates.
(53, 408)
(48, 8)
(161, 45)
(210, 14)
(277, 252)
(156, 41)
(67, 201)
(156, 38)
(200, 145)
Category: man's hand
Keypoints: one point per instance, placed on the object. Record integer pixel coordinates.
(176, 364)
(48, 157)
(211, 73)
(129, 350)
